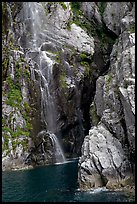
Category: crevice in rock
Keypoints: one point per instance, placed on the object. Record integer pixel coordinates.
(104, 40)
(103, 178)
(125, 143)
(94, 162)
(87, 94)
(89, 89)
(128, 151)
(109, 32)
(109, 128)
(116, 168)
(86, 170)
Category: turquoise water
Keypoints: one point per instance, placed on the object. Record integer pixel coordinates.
(54, 183)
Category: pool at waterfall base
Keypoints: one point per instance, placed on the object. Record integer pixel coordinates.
(53, 183)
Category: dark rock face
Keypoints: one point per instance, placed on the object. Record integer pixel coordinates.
(41, 150)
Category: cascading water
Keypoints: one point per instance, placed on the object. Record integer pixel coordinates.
(33, 13)
(59, 153)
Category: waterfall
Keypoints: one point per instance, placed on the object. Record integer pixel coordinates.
(59, 153)
(33, 17)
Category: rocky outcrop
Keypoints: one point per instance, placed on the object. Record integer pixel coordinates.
(91, 11)
(118, 16)
(108, 152)
(103, 159)
(41, 149)
(16, 125)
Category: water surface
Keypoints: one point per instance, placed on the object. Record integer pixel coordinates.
(54, 183)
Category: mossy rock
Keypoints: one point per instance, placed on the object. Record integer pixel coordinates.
(93, 114)
(63, 5)
(86, 185)
(128, 181)
(114, 184)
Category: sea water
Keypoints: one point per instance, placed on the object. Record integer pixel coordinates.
(54, 183)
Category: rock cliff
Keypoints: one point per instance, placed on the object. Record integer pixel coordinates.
(108, 151)
(69, 68)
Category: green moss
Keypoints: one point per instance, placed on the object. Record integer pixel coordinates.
(86, 57)
(22, 59)
(27, 107)
(86, 60)
(6, 129)
(83, 56)
(14, 98)
(6, 141)
(85, 64)
(26, 115)
(84, 24)
(62, 81)
(75, 7)
(93, 114)
(18, 71)
(21, 131)
(90, 26)
(24, 144)
(28, 126)
(26, 72)
(5, 148)
(14, 145)
(109, 78)
(58, 57)
(102, 7)
(132, 29)
(69, 25)
(88, 72)
(13, 94)
(14, 134)
(5, 63)
(77, 13)
(63, 5)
